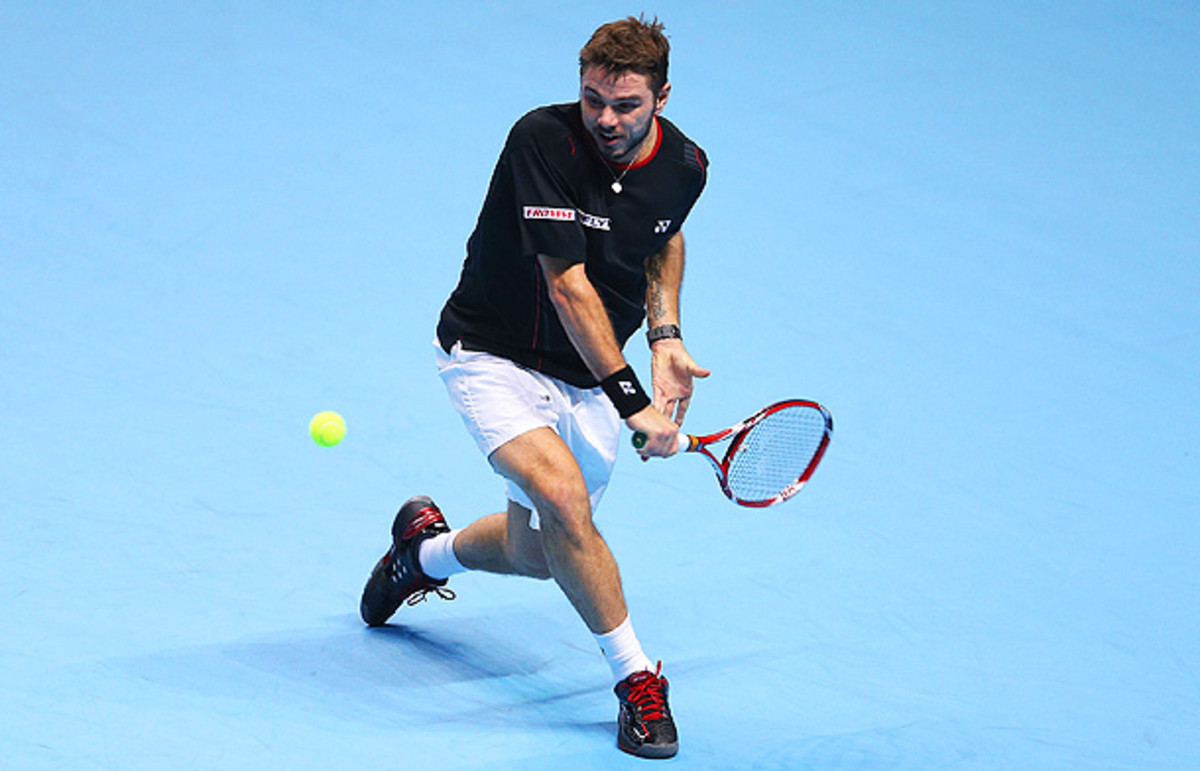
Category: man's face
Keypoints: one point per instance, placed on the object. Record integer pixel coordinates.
(619, 110)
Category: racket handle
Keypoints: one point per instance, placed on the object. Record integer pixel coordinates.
(639, 441)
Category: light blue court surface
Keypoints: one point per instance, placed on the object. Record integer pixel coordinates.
(971, 229)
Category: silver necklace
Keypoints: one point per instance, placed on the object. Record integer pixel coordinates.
(616, 185)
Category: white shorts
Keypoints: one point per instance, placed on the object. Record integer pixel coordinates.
(499, 400)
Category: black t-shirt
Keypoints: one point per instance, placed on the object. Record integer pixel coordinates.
(551, 193)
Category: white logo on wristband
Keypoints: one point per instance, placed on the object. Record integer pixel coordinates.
(627, 387)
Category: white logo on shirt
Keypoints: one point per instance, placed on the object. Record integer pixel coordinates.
(663, 226)
(549, 213)
(594, 222)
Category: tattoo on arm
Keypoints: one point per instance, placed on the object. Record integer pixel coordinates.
(656, 305)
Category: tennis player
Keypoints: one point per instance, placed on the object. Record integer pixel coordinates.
(577, 243)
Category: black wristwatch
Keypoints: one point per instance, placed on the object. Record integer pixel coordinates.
(663, 332)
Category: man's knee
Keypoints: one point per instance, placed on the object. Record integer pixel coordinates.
(531, 565)
(525, 544)
(546, 470)
(564, 506)
(528, 557)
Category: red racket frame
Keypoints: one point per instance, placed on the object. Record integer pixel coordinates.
(700, 444)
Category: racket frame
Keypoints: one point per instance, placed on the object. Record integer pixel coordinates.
(738, 432)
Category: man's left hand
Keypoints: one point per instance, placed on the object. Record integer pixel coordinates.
(672, 371)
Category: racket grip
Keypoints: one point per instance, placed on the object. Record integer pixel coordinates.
(639, 441)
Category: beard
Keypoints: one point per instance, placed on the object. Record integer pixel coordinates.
(621, 147)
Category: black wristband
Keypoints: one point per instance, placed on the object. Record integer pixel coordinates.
(663, 332)
(625, 392)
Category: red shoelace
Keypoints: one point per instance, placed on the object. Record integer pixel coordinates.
(647, 692)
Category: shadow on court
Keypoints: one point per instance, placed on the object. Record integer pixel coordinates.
(448, 672)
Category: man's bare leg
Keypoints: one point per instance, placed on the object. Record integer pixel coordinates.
(575, 553)
(570, 549)
(503, 543)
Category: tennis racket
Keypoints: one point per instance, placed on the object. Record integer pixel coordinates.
(770, 454)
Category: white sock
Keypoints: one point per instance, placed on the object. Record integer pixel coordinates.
(437, 558)
(623, 652)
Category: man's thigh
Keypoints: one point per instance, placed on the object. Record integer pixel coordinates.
(543, 466)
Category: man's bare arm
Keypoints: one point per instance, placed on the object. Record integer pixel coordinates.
(583, 316)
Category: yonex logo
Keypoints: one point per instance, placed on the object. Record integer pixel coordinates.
(549, 213)
(627, 387)
(663, 226)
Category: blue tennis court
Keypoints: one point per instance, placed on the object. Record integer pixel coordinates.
(972, 230)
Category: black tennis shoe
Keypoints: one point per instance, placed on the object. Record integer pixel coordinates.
(397, 577)
(645, 726)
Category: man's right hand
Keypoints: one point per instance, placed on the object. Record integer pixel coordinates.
(662, 435)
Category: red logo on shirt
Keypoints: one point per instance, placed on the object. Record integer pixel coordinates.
(547, 213)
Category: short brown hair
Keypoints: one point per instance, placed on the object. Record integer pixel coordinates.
(629, 45)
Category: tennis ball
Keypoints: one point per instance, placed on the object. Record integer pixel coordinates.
(327, 428)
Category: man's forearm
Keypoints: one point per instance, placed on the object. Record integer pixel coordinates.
(664, 278)
(583, 316)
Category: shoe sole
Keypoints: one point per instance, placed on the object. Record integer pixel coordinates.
(651, 750)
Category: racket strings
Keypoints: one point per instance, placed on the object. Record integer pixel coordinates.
(775, 453)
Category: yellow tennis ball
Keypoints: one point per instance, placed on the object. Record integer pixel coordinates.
(327, 428)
